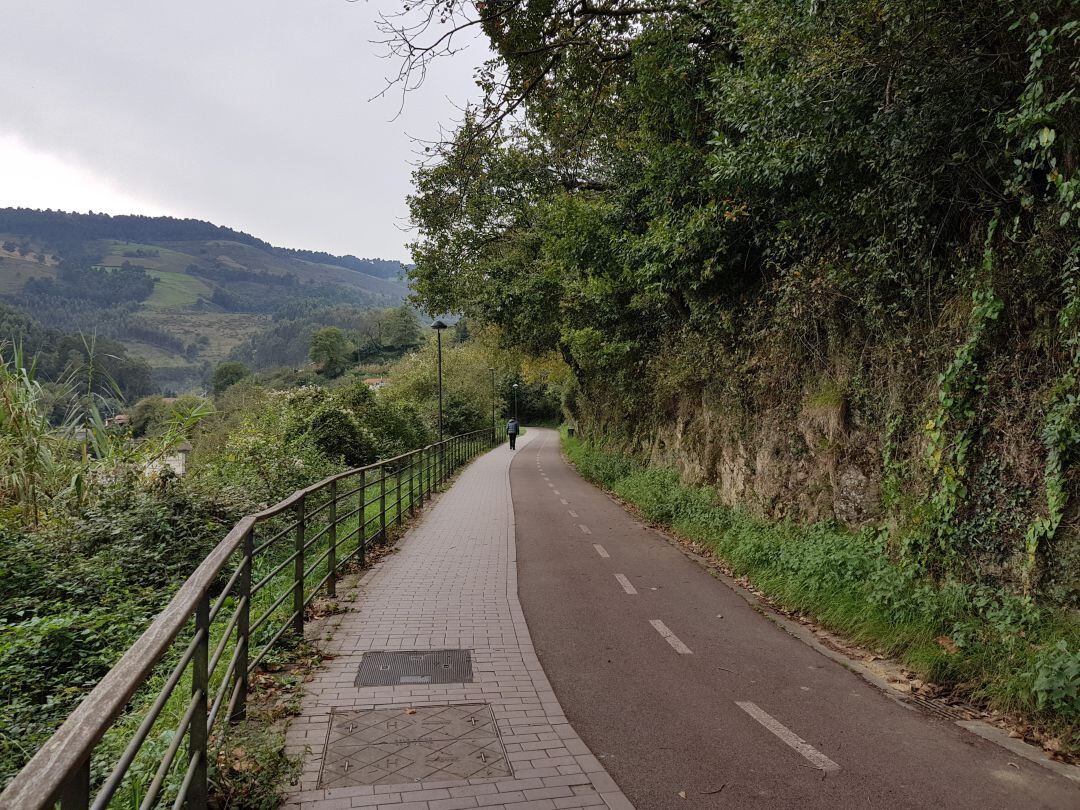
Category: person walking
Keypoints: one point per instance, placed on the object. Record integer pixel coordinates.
(512, 430)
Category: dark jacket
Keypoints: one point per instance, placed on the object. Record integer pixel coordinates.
(512, 426)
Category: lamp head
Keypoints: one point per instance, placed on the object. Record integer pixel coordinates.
(438, 326)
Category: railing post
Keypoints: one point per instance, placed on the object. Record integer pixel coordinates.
(75, 792)
(298, 570)
(243, 623)
(361, 531)
(412, 484)
(397, 499)
(331, 561)
(382, 504)
(198, 734)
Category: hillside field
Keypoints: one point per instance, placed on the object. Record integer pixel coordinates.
(212, 288)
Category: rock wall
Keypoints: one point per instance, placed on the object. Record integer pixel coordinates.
(807, 465)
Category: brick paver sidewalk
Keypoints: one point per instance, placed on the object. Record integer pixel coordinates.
(453, 585)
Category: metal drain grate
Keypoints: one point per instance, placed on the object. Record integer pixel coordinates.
(388, 668)
(394, 746)
(940, 708)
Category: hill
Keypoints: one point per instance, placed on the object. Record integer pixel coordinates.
(181, 294)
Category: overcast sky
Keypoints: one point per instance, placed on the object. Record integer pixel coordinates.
(249, 113)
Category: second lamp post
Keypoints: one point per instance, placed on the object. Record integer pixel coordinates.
(439, 326)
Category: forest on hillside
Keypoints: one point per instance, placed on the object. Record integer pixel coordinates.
(819, 262)
(181, 295)
(69, 231)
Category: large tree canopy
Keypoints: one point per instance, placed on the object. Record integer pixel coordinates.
(720, 204)
(636, 167)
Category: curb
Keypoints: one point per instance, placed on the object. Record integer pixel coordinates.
(981, 729)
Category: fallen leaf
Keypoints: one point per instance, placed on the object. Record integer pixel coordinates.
(410, 711)
(682, 794)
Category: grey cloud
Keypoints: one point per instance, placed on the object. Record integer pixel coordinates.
(250, 113)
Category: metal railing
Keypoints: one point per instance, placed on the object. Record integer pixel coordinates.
(148, 731)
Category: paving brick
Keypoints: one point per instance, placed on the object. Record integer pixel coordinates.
(452, 584)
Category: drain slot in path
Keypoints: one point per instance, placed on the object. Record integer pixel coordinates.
(390, 668)
(405, 745)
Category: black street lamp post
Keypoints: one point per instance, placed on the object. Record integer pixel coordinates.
(515, 402)
(439, 326)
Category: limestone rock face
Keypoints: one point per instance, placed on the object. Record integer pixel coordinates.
(857, 497)
(806, 466)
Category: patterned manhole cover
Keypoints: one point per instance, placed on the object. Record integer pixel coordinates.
(392, 746)
(386, 668)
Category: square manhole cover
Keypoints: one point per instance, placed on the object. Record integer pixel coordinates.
(389, 668)
(392, 746)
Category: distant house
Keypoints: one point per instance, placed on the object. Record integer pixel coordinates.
(375, 383)
(175, 461)
(120, 420)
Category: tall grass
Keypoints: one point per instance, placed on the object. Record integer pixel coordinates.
(1000, 649)
(28, 443)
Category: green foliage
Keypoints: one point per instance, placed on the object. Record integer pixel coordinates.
(28, 444)
(226, 374)
(77, 592)
(155, 286)
(950, 430)
(717, 205)
(330, 351)
(1061, 431)
(1010, 653)
(1057, 680)
(337, 432)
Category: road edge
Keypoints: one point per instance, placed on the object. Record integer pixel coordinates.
(979, 728)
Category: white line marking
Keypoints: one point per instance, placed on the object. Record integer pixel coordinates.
(626, 584)
(816, 758)
(585, 529)
(564, 502)
(556, 492)
(601, 550)
(551, 485)
(670, 637)
(572, 512)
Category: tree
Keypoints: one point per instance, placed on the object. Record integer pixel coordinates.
(330, 351)
(148, 416)
(228, 374)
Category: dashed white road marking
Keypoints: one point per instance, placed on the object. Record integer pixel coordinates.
(626, 584)
(556, 491)
(670, 637)
(601, 550)
(572, 513)
(816, 758)
(551, 485)
(584, 529)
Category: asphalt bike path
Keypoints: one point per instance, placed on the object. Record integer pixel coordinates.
(690, 698)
